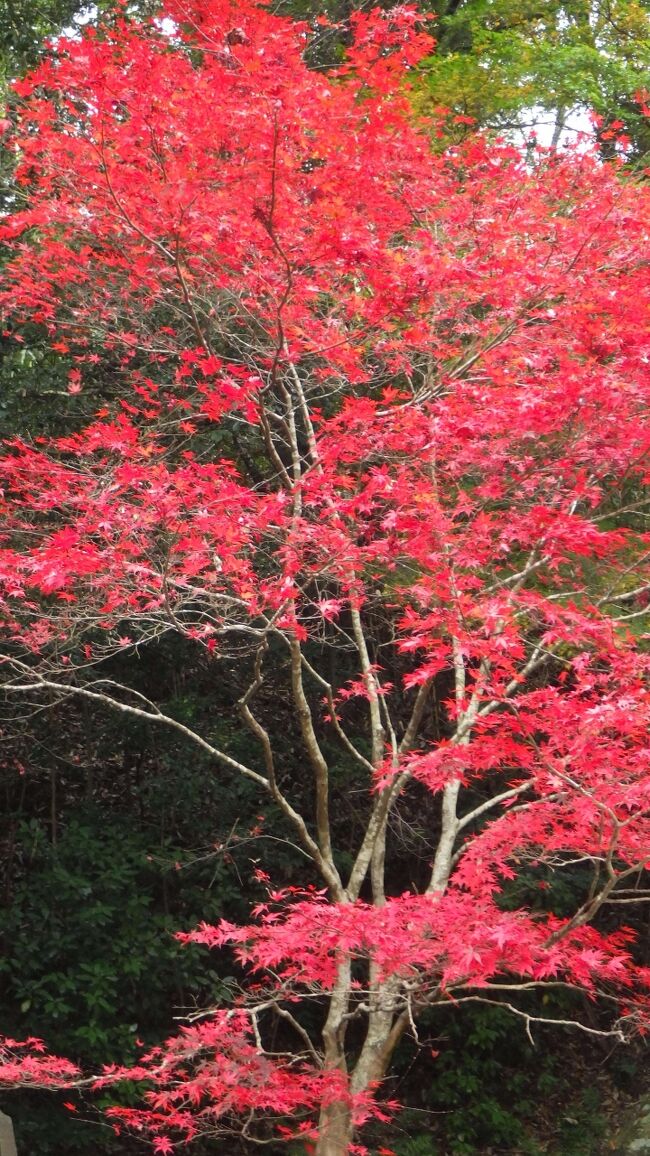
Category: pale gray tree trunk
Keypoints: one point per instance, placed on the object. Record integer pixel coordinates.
(335, 1131)
(7, 1141)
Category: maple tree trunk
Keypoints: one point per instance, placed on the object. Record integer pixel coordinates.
(385, 1029)
(335, 1130)
(335, 1127)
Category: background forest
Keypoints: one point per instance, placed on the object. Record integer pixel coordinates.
(113, 836)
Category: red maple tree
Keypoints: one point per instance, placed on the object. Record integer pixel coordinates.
(377, 402)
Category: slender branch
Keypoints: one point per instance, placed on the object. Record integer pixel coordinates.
(155, 715)
(372, 690)
(612, 1033)
(38, 682)
(329, 694)
(512, 793)
(417, 714)
(286, 1015)
(320, 767)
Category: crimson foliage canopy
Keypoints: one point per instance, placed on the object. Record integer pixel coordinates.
(374, 410)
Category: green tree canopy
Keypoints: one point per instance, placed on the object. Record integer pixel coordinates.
(497, 59)
(509, 63)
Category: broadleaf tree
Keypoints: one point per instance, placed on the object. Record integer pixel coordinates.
(382, 443)
(511, 64)
(520, 65)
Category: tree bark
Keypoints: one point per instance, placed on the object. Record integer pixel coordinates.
(335, 1130)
